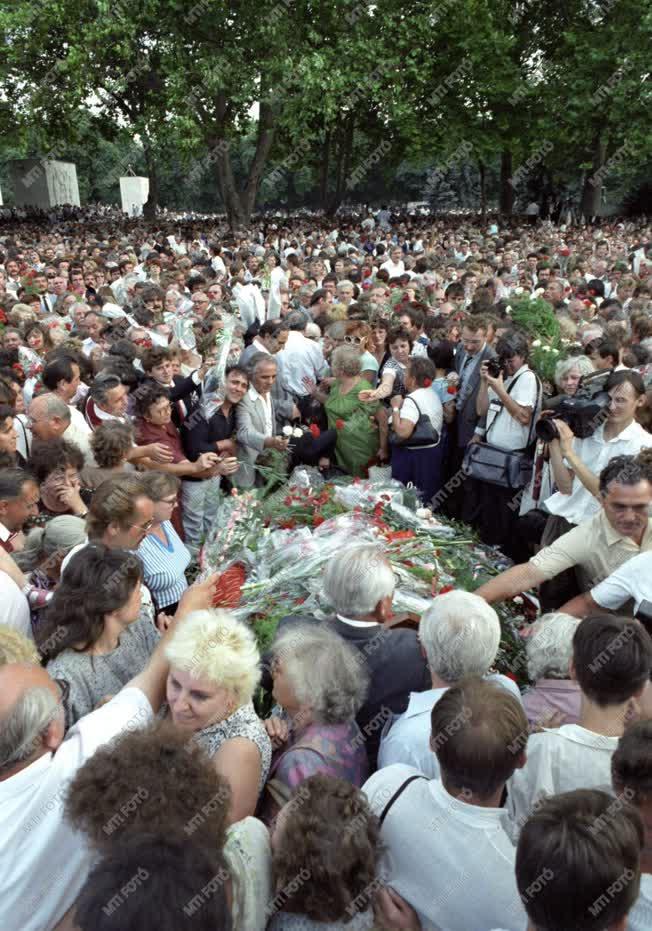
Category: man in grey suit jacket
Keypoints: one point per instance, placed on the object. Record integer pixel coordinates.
(474, 352)
(270, 340)
(256, 420)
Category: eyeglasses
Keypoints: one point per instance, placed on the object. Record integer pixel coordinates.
(171, 501)
(143, 527)
(353, 339)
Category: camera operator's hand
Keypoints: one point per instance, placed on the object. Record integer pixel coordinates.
(566, 437)
(495, 383)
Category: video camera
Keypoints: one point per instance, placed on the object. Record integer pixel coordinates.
(583, 412)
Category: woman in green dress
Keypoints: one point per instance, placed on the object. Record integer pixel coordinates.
(361, 427)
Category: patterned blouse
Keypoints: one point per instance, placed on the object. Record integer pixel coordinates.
(333, 749)
(242, 723)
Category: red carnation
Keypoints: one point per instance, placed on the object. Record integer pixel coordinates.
(314, 430)
(451, 389)
(427, 382)
(339, 424)
(446, 588)
(317, 520)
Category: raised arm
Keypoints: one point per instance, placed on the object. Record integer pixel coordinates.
(511, 582)
(151, 680)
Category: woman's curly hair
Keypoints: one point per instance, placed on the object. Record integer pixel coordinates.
(149, 780)
(330, 836)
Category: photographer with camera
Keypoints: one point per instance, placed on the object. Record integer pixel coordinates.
(576, 462)
(508, 401)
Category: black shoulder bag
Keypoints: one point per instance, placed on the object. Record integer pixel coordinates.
(505, 468)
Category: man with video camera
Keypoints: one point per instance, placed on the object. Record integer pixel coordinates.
(576, 463)
(507, 403)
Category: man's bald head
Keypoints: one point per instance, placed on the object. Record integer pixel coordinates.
(49, 416)
(31, 716)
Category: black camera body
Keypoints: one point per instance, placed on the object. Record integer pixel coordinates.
(495, 367)
(583, 412)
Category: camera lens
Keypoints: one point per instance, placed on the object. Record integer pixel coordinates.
(546, 430)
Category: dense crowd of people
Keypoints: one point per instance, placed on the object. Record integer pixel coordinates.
(155, 769)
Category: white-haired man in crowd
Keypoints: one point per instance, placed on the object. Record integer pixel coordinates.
(459, 635)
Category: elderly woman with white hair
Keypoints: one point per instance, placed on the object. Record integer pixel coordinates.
(320, 685)
(214, 670)
(549, 650)
(460, 635)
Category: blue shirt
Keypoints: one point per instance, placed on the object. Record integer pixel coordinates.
(164, 566)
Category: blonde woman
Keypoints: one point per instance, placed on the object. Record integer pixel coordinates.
(214, 670)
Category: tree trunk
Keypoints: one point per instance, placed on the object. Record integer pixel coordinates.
(343, 167)
(239, 205)
(151, 204)
(506, 202)
(592, 192)
(483, 190)
(323, 170)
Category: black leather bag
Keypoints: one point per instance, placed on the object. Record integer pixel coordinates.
(505, 468)
(424, 434)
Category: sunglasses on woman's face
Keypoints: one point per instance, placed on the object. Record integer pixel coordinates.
(356, 340)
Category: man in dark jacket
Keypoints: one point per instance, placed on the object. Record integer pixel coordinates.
(468, 361)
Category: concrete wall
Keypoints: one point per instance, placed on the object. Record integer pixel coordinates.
(134, 192)
(41, 183)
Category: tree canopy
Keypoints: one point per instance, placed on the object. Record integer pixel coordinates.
(294, 101)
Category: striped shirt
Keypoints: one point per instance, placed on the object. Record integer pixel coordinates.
(164, 566)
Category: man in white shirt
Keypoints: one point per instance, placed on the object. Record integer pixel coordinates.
(460, 635)
(612, 662)
(61, 376)
(576, 463)
(448, 853)
(44, 861)
(302, 359)
(394, 265)
(509, 409)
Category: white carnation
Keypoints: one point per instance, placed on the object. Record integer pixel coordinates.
(546, 348)
(297, 433)
(536, 343)
(287, 430)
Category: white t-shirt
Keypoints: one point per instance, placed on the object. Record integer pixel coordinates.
(14, 609)
(559, 760)
(632, 580)
(504, 430)
(45, 862)
(451, 861)
(80, 434)
(596, 452)
(394, 269)
(423, 400)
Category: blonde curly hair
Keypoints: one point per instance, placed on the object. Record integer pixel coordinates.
(16, 647)
(213, 645)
